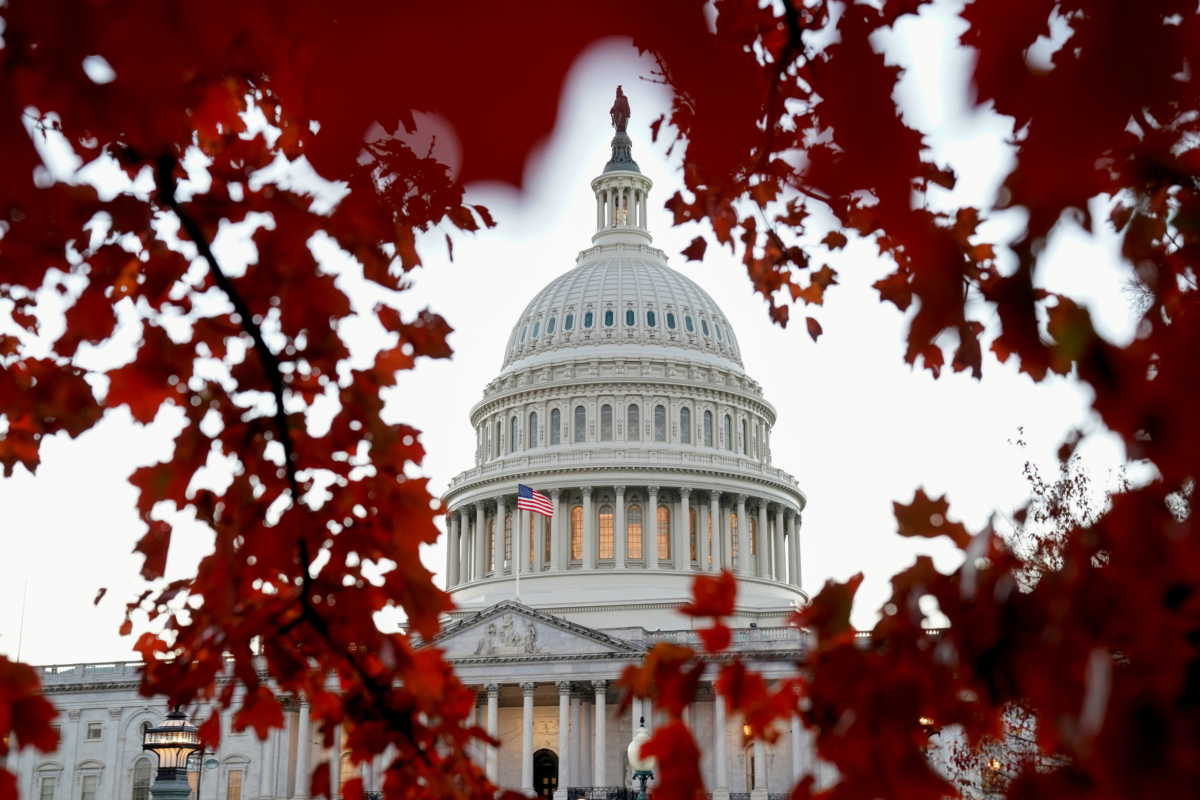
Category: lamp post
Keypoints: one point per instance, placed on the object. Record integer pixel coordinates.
(173, 742)
(643, 768)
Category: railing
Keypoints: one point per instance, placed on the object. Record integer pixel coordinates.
(599, 793)
(71, 673)
(666, 457)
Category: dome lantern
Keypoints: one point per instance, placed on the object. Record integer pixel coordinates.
(621, 190)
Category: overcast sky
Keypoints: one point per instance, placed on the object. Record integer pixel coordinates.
(857, 427)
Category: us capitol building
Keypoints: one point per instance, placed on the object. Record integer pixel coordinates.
(622, 397)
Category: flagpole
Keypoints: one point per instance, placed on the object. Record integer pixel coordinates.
(520, 537)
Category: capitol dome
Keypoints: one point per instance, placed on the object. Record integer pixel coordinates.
(623, 398)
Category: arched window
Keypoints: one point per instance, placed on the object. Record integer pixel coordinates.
(633, 423)
(728, 432)
(685, 425)
(523, 332)
(693, 544)
(489, 535)
(687, 323)
(576, 533)
(716, 328)
(141, 776)
(753, 536)
(550, 325)
(545, 527)
(605, 540)
(508, 526)
(650, 319)
(531, 548)
(555, 426)
(569, 322)
(708, 429)
(497, 440)
(606, 424)
(630, 318)
(537, 326)
(609, 318)
(733, 537)
(757, 439)
(513, 441)
(633, 532)
(704, 326)
(664, 533)
(580, 422)
(533, 429)
(660, 423)
(670, 321)
(588, 319)
(745, 437)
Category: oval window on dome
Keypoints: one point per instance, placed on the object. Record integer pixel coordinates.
(651, 320)
(587, 319)
(687, 323)
(704, 326)
(568, 322)
(550, 325)
(670, 321)
(609, 318)
(537, 326)
(630, 318)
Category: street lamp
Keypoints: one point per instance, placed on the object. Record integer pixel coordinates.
(643, 768)
(173, 742)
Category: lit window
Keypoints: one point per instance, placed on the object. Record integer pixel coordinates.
(693, 543)
(580, 423)
(95, 731)
(633, 423)
(533, 429)
(550, 325)
(670, 321)
(555, 426)
(606, 532)
(664, 533)
(606, 423)
(650, 320)
(685, 425)
(704, 326)
(609, 318)
(687, 323)
(90, 784)
(537, 326)
(233, 790)
(569, 322)
(660, 423)
(633, 532)
(489, 547)
(630, 318)
(587, 319)
(753, 536)
(708, 429)
(576, 533)
(733, 536)
(508, 523)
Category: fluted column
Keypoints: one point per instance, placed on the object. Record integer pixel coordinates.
(498, 538)
(650, 526)
(721, 790)
(619, 533)
(743, 538)
(760, 771)
(575, 763)
(480, 541)
(599, 778)
(266, 777)
(589, 530)
(763, 543)
(464, 547)
(683, 548)
(557, 545)
(797, 765)
(564, 727)
(527, 737)
(713, 556)
(493, 714)
(303, 750)
(780, 570)
(793, 523)
(335, 763)
(452, 554)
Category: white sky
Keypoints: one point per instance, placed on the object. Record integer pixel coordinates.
(857, 427)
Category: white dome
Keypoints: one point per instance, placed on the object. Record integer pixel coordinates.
(618, 296)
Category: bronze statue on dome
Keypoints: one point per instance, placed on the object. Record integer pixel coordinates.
(620, 111)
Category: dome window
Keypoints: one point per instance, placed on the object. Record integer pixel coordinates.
(704, 326)
(523, 332)
(717, 328)
(568, 322)
(609, 318)
(660, 423)
(587, 320)
(537, 326)
(555, 426)
(670, 321)
(633, 424)
(580, 423)
(687, 323)
(550, 325)
(651, 320)
(606, 423)
(685, 427)
(630, 318)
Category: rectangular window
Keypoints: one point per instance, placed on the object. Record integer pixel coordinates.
(95, 731)
(90, 784)
(47, 788)
(234, 788)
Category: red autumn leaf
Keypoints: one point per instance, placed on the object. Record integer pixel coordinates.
(712, 596)
(260, 711)
(695, 250)
(677, 757)
(814, 328)
(926, 517)
(828, 614)
(99, 596)
(320, 785)
(835, 240)
(716, 638)
(154, 546)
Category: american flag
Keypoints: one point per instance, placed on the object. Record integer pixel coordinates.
(536, 502)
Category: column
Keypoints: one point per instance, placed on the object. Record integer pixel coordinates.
(557, 561)
(575, 765)
(527, 737)
(780, 570)
(589, 530)
(764, 540)
(797, 767)
(726, 539)
(713, 556)
(493, 715)
(480, 548)
(743, 537)
(283, 763)
(683, 552)
(585, 737)
(648, 713)
(452, 553)
(498, 537)
(112, 732)
(760, 771)
(619, 532)
(564, 727)
(599, 778)
(303, 750)
(721, 790)
(650, 527)
(465, 573)
(266, 779)
(335, 763)
(793, 529)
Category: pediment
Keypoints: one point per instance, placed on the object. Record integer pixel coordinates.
(511, 630)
